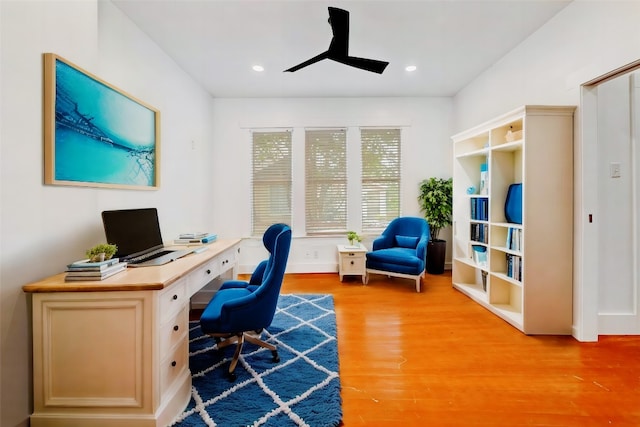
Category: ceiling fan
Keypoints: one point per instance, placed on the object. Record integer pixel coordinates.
(339, 48)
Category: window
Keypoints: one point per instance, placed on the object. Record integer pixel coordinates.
(326, 180)
(271, 176)
(380, 177)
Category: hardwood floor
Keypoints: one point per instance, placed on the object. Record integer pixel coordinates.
(438, 359)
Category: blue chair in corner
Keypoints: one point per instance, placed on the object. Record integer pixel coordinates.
(240, 310)
(401, 250)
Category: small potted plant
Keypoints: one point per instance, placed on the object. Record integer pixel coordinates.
(352, 236)
(436, 201)
(101, 252)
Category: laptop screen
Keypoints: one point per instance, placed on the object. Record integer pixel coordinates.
(132, 230)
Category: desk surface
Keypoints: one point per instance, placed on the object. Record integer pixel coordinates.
(135, 279)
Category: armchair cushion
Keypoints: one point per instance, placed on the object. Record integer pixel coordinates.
(407, 241)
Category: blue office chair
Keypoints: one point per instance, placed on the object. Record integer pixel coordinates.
(240, 310)
(401, 250)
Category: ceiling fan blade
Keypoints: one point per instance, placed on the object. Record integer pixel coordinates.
(372, 65)
(339, 21)
(313, 60)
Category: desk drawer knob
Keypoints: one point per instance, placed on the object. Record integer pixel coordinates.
(208, 271)
(175, 297)
(352, 263)
(176, 327)
(174, 363)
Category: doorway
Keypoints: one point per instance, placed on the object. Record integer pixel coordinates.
(609, 224)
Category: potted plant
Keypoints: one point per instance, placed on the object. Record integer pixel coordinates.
(435, 200)
(352, 236)
(101, 252)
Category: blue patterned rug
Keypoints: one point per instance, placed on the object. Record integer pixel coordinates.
(303, 389)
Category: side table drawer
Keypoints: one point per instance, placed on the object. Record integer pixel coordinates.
(352, 263)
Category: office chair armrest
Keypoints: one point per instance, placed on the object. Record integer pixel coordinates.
(258, 273)
(234, 284)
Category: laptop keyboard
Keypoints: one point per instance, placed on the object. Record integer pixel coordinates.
(146, 257)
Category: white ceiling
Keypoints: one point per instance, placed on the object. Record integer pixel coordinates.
(450, 41)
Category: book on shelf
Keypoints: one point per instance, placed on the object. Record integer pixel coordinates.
(479, 232)
(79, 274)
(87, 265)
(514, 267)
(209, 238)
(514, 239)
(479, 208)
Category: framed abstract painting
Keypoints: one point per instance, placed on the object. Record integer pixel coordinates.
(96, 135)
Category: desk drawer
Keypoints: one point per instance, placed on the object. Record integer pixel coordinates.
(172, 300)
(203, 275)
(173, 331)
(171, 367)
(227, 260)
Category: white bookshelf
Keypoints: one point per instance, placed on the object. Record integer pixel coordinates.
(540, 157)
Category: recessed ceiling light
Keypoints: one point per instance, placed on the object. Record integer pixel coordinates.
(258, 68)
(411, 68)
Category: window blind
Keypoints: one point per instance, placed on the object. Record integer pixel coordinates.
(326, 180)
(380, 177)
(271, 179)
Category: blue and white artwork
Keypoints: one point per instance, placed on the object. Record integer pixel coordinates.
(101, 135)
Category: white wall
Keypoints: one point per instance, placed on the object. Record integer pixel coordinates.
(585, 40)
(44, 227)
(426, 151)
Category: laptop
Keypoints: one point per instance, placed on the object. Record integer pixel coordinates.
(136, 232)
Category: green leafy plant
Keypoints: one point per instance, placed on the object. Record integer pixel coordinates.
(353, 236)
(104, 248)
(435, 198)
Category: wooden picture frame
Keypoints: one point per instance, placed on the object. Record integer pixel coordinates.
(96, 135)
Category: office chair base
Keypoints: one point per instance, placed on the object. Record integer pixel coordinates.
(225, 340)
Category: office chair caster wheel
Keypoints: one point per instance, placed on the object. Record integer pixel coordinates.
(231, 376)
(276, 357)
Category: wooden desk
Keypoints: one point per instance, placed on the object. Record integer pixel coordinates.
(116, 352)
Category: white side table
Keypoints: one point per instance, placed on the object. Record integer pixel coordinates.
(351, 261)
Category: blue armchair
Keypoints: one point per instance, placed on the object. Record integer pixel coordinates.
(240, 310)
(401, 250)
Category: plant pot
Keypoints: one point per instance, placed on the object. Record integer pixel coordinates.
(98, 257)
(436, 251)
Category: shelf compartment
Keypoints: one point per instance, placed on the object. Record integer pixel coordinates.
(505, 169)
(505, 294)
(499, 134)
(471, 145)
(499, 264)
(468, 273)
(467, 278)
(467, 169)
(499, 235)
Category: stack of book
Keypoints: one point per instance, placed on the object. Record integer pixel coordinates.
(195, 238)
(85, 270)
